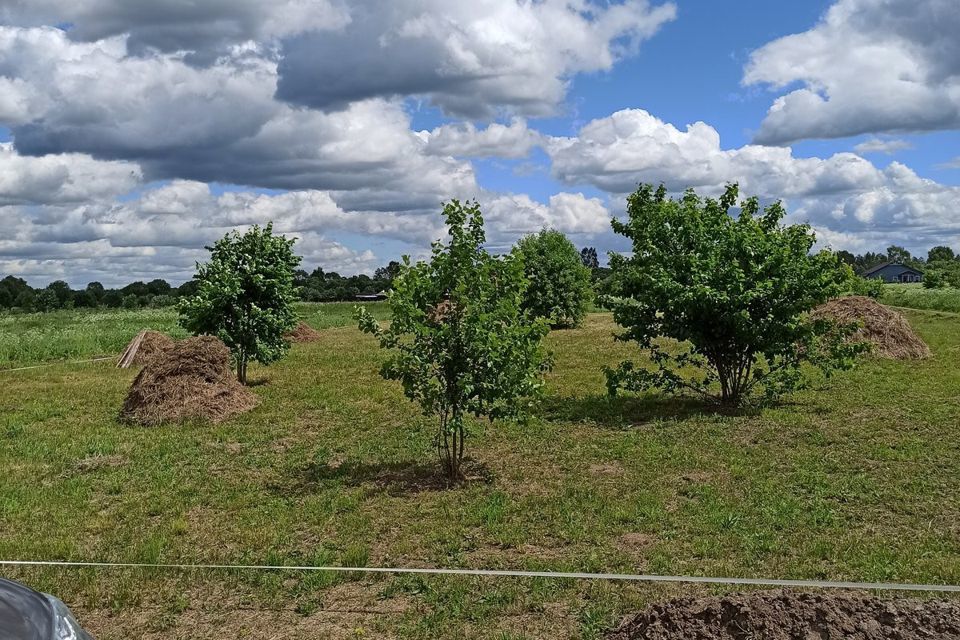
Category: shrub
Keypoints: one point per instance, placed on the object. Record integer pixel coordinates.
(245, 296)
(860, 286)
(934, 279)
(559, 288)
(733, 292)
(461, 343)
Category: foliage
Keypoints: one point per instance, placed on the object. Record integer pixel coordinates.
(934, 279)
(734, 292)
(559, 288)
(939, 253)
(245, 295)
(588, 255)
(461, 343)
(860, 286)
(914, 296)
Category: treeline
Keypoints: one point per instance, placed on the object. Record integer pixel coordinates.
(315, 286)
(15, 293)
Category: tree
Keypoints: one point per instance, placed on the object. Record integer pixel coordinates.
(732, 292)
(588, 255)
(159, 287)
(46, 300)
(460, 342)
(63, 292)
(559, 288)
(245, 295)
(939, 253)
(846, 257)
(898, 254)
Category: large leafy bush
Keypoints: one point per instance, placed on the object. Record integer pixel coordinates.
(559, 288)
(731, 293)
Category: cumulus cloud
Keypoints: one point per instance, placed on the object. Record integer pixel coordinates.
(468, 58)
(214, 124)
(868, 66)
(61, 178)
(514, 215)
(202, 28)
(496, 140)
(879, 145)
(842, 194)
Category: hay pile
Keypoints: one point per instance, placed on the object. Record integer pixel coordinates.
(887, 330)
(190, 380)
(303, 333)
(144, 348)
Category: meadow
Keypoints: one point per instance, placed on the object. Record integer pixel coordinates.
(855, 479)
(915, 296)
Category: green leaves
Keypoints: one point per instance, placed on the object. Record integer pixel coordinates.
(731, 291)
(460, 342)
(245, 295)
(559, 288)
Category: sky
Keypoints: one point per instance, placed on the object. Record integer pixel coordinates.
(134, 133)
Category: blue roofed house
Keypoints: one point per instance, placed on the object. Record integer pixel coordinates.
(894, 272)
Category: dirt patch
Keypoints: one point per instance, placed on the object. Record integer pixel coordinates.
(606, 469)
(303, 333)
(787, 615)
(889, 333)
(190, 380)
(94, 462)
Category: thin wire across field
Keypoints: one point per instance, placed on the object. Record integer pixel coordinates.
(503, 573)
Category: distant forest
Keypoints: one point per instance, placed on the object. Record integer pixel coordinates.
(329, 286)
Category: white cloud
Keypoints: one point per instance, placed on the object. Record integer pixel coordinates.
(216, 124)
(868, 66)
(879, 145)
(842, 194)
(468, 58)
(204, 28)
(515, 140)
(61, 178)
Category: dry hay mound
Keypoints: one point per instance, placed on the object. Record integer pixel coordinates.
(886, 330)
(190, 380)
(303, 333)
(786, 615)
(152, 344)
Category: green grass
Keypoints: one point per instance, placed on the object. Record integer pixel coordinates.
(856, 480)
(914, 296)
(31, 338)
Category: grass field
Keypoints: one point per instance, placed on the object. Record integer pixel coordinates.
(915, 296)
(855, 480)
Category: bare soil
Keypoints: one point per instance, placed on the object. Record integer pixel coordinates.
(789, 615)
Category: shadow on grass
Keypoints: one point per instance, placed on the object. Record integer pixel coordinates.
(626, 411)
(394, 478)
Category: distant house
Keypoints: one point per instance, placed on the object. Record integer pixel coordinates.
(371, 297)
(894, 272)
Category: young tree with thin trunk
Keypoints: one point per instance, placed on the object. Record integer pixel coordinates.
(245, 295)
(461, 344)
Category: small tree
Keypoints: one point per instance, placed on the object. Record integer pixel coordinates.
(244, 296)
(733, 292)
(588, 256)
(940, 253)
(559, 288)
(461, 342)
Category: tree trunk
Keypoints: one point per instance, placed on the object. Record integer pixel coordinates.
(242, 370)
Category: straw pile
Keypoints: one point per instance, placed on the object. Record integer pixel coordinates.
(143, 348)
(190, 380)
(887, 330)
(303, 333)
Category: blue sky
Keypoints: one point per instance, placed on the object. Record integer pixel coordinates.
(129, 143)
